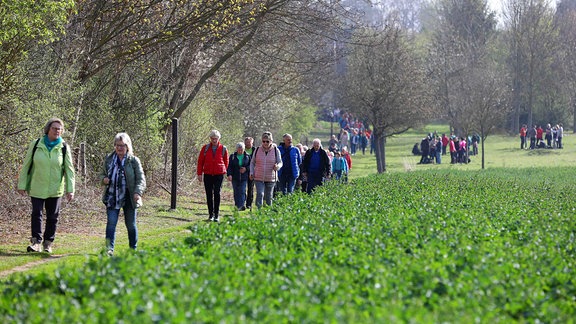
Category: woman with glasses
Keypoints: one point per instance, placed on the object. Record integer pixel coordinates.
(47, 173)
(266, 161)
(125, 183)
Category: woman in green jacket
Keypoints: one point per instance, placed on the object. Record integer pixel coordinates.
(47, 173)
(125, 183)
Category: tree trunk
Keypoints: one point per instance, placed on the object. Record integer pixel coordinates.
(482, 144)
(574, 114)
(380, 151)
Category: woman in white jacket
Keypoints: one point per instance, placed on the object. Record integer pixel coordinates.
(266, 161)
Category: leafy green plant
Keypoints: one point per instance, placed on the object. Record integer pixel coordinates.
(408, 247)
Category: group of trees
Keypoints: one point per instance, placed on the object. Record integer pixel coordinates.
(483, 71)
(246, 66)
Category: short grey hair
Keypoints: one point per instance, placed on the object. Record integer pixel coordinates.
(126, 139)
(50, 122)
(240, 145)
(215, 133)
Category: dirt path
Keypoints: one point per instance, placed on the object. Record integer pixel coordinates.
(30, 265)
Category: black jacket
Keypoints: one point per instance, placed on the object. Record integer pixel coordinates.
(325, 168)
(234, 167)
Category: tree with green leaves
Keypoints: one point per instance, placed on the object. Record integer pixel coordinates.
(24, 23)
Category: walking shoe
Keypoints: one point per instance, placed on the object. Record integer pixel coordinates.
(215, 219)
(34, 246)
(110, 252)
(242, 208)
(211, 218)
(47, 246)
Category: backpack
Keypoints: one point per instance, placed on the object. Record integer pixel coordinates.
(207, 147)
(64, 149)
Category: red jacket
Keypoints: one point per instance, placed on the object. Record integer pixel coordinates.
(348, 160)
(211, 163)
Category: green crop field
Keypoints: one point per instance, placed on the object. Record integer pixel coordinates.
(442, 243)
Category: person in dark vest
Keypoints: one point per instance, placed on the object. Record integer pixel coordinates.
(249, 149)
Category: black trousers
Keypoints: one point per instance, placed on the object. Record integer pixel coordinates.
(52, 212)
(250, 194)
(213, 185)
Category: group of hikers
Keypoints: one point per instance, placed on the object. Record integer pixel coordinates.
(552, 135)
(433, 147)
(48, 174)
(354, 134)
(270, 168)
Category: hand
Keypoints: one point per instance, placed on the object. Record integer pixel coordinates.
(242, 169)
(275, 167)
(199, 178)
(229, 178)
(22, 192)
(251, 177)
(136, 197)
(106, 181)
(70, 196)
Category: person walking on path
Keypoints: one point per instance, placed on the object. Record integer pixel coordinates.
(125, 183)
(291, 160)
(46, 175)
(211, 168)
(316, 165)
(238, 172)
(249, 148)
(266, 161)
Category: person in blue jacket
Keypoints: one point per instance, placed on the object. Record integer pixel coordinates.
(291, 160)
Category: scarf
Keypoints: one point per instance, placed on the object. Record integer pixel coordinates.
(50, 144)
(116, 193)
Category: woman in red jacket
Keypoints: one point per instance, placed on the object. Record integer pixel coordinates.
(212, 162)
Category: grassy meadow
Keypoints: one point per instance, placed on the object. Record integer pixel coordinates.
(441, 243)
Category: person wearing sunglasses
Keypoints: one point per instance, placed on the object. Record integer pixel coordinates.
(266, 161)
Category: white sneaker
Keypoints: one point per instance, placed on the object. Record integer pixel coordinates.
(34, 246)
(47, 246)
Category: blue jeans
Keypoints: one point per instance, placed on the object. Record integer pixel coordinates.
(287, 183)
(264, 191)
(129, 220)
(239, 187)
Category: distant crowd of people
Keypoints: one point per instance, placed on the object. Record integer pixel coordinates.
(354, 134)
(433, 147)
(550, 138)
